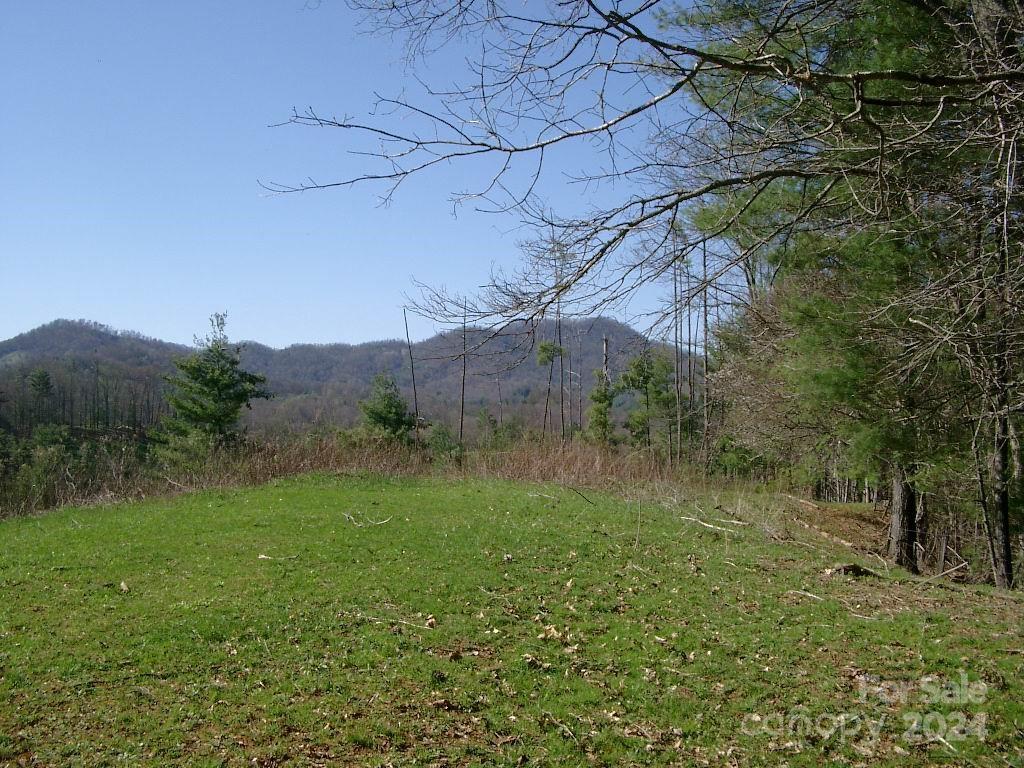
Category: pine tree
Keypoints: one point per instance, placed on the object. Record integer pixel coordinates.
(602, 397)
(212, 388)
(41, 385)
(649, 375)
(386, 411)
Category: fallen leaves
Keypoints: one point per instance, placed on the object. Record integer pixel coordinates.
(851, 569)
(534, 663)
(551, 632)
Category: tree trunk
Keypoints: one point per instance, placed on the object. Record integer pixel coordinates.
(647, 405)
(547, 397)
(921, 520)
(462, 399)
(412, 371)
(579, 383)
(903, 521)
(994, 21)
(677, 338)
(561, 372)
(568, 355)
(704, 447)
(501, 415)
(1002, 565)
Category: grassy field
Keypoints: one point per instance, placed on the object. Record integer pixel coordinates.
(362, 620)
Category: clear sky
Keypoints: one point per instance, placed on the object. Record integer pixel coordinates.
(133, 137)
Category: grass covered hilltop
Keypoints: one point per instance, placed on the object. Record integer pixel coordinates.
(361, 620)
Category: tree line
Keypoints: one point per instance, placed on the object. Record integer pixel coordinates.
(836, 181)
(85, 396)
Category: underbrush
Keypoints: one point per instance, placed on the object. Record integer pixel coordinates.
(53, 469)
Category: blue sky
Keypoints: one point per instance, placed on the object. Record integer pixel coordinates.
(134, 136)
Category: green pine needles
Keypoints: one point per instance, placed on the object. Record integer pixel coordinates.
(211, 388)
(386, 411)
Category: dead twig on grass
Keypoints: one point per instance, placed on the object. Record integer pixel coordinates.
(357, 524)
(940, 575)
(805, 502)
(578, 493)
(431, 623)
(805, 594)
(706, 525)
(566, 730)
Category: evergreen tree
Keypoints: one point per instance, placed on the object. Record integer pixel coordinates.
(211, 387)
(41, 386)
(602, 397)
(385, 410)
(649, 375)
(861, 334)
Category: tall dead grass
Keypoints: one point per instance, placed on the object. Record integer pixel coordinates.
(571, 463)
(576, 463)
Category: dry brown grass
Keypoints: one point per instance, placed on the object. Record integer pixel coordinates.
(577, 463)
(572, 463)
(260, 462)
(120, 476)
(633, 475)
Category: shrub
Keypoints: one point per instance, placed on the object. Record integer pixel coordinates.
(386, 411)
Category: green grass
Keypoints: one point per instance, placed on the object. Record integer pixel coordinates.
(479, 623)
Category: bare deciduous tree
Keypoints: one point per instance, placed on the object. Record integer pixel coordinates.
(836, 116)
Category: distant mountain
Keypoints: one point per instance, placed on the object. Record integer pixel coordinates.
(322, 383)
(87, 341)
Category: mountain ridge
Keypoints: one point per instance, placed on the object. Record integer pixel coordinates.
(322, 383)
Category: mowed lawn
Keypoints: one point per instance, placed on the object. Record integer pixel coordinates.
(362, 620)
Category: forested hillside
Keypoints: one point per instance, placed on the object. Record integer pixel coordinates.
(103, 378)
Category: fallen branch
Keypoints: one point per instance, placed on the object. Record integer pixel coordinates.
(357, 524)
(940, 575)
(881, 560)
(578, 493)
(707, 525)
(808, 504)
(805, 594)
(562, 726)
(375, 620)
